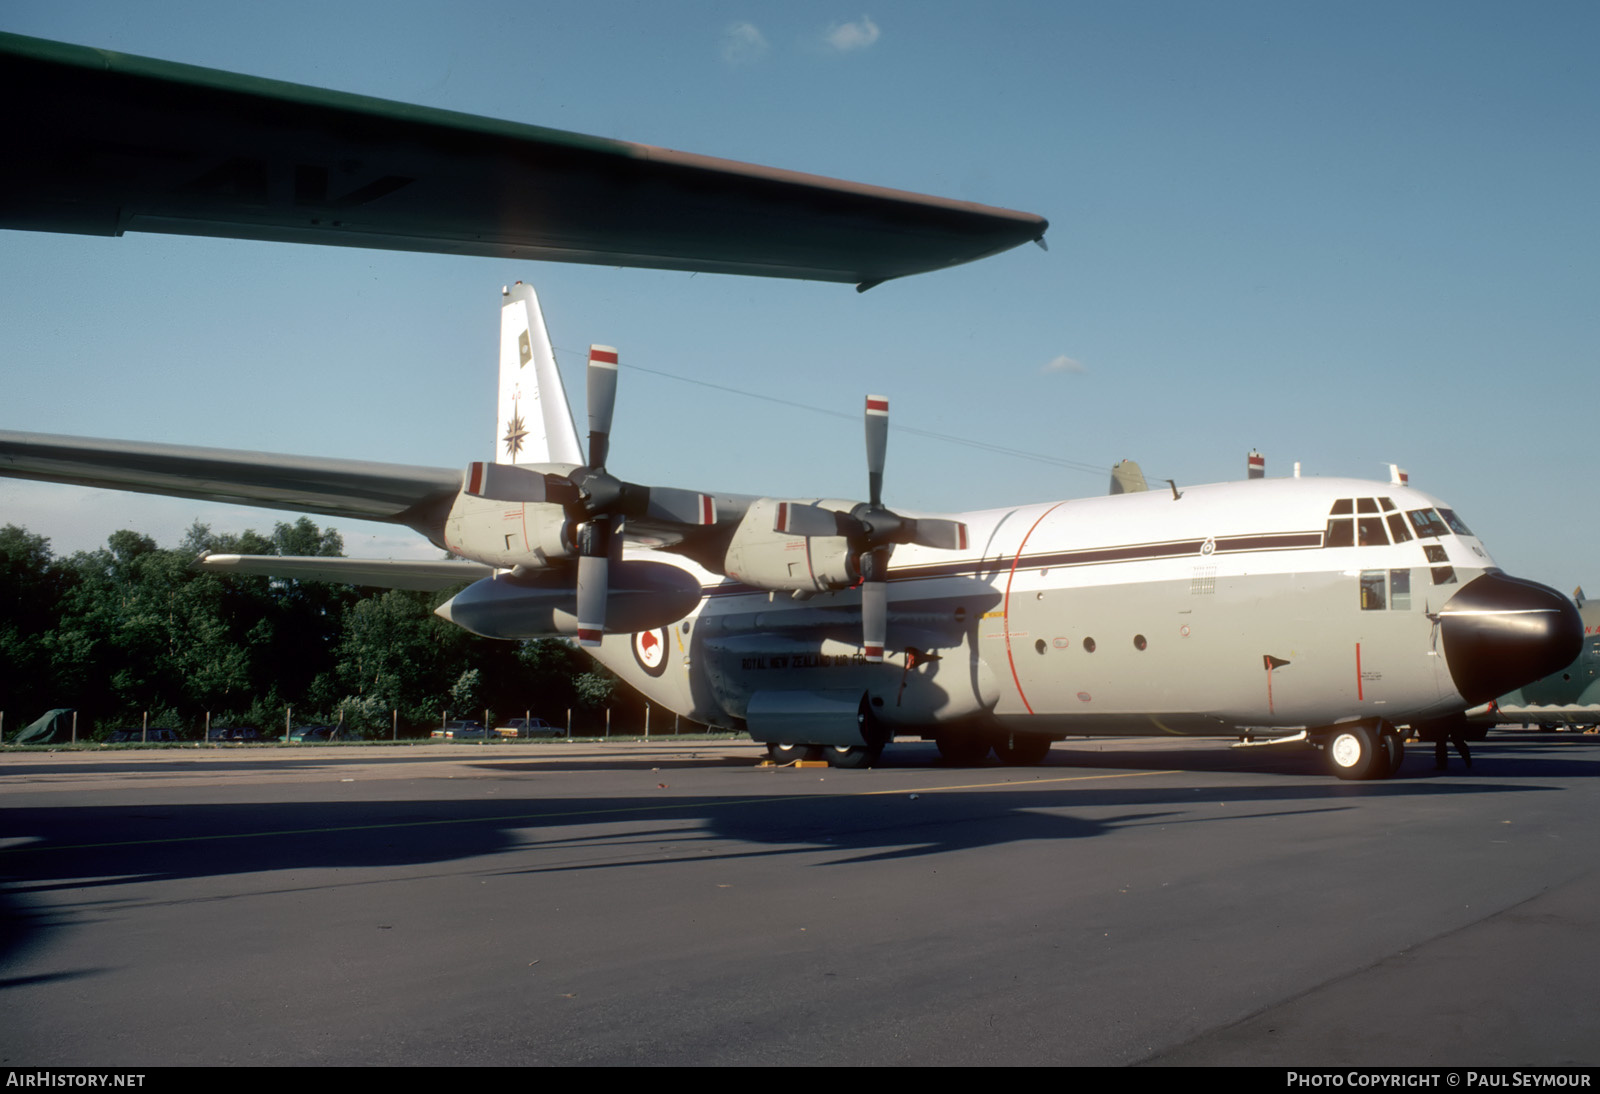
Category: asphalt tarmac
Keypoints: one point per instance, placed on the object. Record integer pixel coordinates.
(1147, 902)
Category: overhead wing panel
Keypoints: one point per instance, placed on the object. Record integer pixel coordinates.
(111, 143)
(418, 497)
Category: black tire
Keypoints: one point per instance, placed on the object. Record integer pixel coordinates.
(1021, 749)
(1356, 751)
(962, 748)
(852, 756)
(785, 752)
(1396, 747)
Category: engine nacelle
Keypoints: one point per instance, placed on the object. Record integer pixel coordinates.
(506, 534)
(767, 559)
(642, 596)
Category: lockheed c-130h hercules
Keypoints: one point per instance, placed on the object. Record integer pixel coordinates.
(1326, 611)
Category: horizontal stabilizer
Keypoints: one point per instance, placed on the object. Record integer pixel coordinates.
(425, 574)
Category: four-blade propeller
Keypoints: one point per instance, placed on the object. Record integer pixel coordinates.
(597, 502)
(872, 531)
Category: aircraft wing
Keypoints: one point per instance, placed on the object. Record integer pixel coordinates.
(426, 574)
(418, 497)
(111, 143)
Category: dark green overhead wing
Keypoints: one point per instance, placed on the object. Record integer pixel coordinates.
(102, 143)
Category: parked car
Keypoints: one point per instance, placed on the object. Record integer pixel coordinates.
(137, 735)
(527, 727)
(233, 733)
(313, 734)
(457, 731)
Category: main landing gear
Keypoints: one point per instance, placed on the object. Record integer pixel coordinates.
(844, 756)
(1363, 750)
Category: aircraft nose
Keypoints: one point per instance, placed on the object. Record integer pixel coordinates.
(1502, 632)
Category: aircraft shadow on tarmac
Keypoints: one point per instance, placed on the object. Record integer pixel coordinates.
(91, 851)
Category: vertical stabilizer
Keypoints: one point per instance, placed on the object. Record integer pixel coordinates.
(534, 423)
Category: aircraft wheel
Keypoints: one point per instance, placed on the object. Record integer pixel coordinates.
(1356, 751)
(962, 748)
(785, 752)
(853, 756)
(1021, 749)
(1396, 748)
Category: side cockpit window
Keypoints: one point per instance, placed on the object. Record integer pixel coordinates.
(1427, 523)
(1443, 572)
(1457, 525)
(1382, 589)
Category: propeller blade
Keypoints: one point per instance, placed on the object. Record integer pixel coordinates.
(503, 482)
(874, 618)
(681, 506)
(593, 575)
(805, 520)
(945, 535)
(874, 603)
(877, 446)
(602, 385)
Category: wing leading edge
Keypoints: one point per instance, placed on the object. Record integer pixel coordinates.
(112, 143)
(418, 497)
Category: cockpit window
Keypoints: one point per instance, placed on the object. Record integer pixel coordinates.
(1397, 528)
(1342, 506)
(1369, 532)
(1386, 504)
(1340, 533)
(1366, 505)
(1457, 525)
(1427, 523)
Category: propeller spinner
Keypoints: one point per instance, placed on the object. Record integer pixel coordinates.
(872, 531)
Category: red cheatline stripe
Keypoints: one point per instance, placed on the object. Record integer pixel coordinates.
(708, 510)
(608, 357)
(875, 652)
(589, 633)
(475, 479)
(877, 404)
(962, 539)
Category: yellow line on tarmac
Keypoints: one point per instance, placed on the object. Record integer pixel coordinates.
(699, 803)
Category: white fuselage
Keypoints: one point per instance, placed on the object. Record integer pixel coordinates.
(1230, 608)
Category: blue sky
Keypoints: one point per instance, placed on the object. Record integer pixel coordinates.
(1345, 234)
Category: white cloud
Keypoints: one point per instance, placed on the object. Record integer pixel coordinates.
(1062, 363)
(743, 44)
(845, 37)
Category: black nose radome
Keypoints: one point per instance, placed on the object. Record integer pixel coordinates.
(1503, 632)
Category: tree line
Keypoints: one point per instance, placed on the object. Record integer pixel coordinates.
(132, 629)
